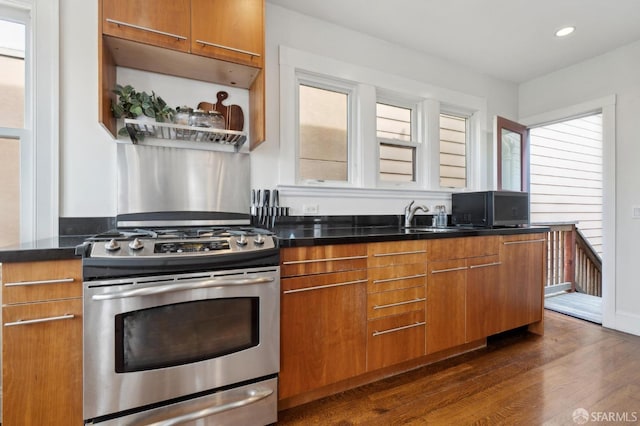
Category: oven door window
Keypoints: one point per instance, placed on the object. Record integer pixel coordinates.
(182, 333)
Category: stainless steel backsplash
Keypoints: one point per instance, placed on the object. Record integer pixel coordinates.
(154, 179)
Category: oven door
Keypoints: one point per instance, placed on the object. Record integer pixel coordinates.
(148, 340)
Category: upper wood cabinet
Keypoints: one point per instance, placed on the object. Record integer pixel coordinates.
(164, 23)
(231, 30)
(216, 41)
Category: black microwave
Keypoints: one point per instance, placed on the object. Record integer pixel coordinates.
(490, 208)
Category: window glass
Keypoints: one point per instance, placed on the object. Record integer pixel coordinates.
(397, 150)
(12, 96)
(453, 149)
(12, 74)
(323, 118)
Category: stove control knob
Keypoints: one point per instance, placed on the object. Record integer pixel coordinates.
(259, 240)
(241, 240)
(112, 245)
(136, 244)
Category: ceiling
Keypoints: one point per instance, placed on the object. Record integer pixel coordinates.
(512, 40)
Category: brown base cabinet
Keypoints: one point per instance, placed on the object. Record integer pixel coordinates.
(355, 313)
(322, 316)
(42, 343)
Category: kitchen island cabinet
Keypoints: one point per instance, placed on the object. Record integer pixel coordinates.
(42, 343)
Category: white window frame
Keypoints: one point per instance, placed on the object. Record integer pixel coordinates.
(418, 139)
(371, 85)
(339, 86)
(39, 159)
(470, 135)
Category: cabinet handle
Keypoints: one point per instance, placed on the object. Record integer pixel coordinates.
(391, 330)
(386, 280)
(506, 243)
(38, 320)
(150, 30)
(398, 253)
(406, 302)
(438, 271)
(318, 287)
(250, 396)
(233, 49)
(21, 283)
(331, 259)
(485, 265)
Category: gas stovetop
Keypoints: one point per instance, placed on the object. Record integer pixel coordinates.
(177, 242)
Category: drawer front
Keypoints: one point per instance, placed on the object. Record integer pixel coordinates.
(296, 261)
(39, 281)
(522, 237)
(482, 246)
(447, 248)
(320, 281)
(396, 253)
(395, 302)
(396, 277)
(395, 339)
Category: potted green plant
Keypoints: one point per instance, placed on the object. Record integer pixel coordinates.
(136, 105)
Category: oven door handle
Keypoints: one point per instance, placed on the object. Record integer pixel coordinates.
(249, 397)
(170, 288)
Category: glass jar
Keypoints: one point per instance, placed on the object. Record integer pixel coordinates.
(183, 117)
(199, 118)
(217, 120)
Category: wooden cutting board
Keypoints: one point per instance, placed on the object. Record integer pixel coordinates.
(233, 115)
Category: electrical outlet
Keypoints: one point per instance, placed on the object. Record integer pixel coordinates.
(635, 212)
(310, 208)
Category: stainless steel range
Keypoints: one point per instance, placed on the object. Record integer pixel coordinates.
(181, 322)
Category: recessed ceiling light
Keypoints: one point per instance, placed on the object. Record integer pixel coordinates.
(565, 31)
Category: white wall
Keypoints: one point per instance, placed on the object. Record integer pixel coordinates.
(311, 35)
(615, 73)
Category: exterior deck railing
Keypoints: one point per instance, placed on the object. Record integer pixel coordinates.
(572, 264)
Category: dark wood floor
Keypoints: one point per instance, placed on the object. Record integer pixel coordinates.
(519, 379)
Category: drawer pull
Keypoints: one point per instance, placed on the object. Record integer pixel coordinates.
(391, 330)
(57, 281)
(485, 265)
(506, 243)
(330, 259)
(233, 49)
(439, 271)
(39, 320)
(318, 287)
(386, 280)
(150, 30)
(398, 253)
(406, 302)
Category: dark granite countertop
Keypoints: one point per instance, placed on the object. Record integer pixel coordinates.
(322, 234)
(58, 248)
(297, 232)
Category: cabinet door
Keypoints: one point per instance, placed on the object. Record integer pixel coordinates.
(231, 30)
(485, 298)
(42, 364)
(323, 330)
(446, 292)
(522, 276)
(163, 23)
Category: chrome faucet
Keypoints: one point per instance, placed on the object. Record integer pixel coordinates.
(410, 211)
